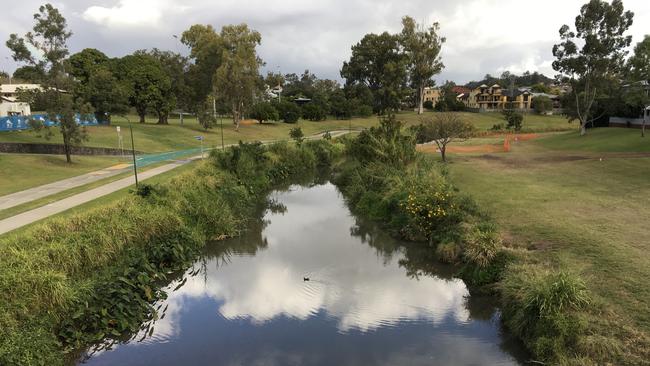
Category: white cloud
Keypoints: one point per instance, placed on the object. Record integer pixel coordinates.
(482, 36)
(130, 13)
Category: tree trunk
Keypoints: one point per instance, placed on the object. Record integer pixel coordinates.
(421, 100)
(443, 151)
(162, 118)
(141, 117)
(583, 128)
(66, 148)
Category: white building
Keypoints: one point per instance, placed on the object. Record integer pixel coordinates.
(11, 107)
(9, 104)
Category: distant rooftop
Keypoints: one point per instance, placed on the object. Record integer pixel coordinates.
(13, 88)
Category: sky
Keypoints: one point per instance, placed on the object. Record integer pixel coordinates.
(483, 36)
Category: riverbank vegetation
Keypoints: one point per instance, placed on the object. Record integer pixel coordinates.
(93, 276)
(546, 303)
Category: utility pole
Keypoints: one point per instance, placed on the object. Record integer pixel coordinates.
(214, 113)
(135, 167)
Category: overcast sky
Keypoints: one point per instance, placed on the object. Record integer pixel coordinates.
(483, 36)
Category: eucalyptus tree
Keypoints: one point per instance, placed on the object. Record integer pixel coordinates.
(592, 55)
(48, 38)
(422, 46)
(206, 50)
(638, 79)
(237, 79)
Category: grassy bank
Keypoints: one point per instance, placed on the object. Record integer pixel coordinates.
(80, 279)
(558, 231)
(150, 137)
(578, 203)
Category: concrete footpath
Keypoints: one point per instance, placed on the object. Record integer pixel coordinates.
(40, 213)
(45, 190)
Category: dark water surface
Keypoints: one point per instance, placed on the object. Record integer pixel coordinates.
(370, 300)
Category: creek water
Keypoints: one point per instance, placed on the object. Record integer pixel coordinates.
(312, 284)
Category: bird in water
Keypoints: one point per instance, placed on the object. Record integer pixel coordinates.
(305, 279)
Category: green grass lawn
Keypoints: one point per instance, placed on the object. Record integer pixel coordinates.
(99, 202)
(22, 171)
(598, 140)
(588, 215)
(15, 210)
(151, 137)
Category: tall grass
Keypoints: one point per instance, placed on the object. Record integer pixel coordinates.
(542, 308)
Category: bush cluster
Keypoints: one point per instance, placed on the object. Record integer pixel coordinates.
(542, 308)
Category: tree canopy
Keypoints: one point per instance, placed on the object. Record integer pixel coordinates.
(48, 37)
(378, 63)
(591, 56)
(237, 78)
(422, 47)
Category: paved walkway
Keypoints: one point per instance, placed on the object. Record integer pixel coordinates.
(35, 193)
(40, 213)
(31, 194)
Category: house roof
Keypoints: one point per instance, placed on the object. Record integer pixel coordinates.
(13, 88)
(496, 86)
(550, 96)
(460, 89)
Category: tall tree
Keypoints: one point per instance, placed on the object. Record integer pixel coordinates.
(148, 85)
(29, 74)
(49, 36)
(82, 64)
(638, 78)
(97, 84)
(176, 67)
(378, 63)
(422, 46)
(593, 54)
(206, 49)
(238, 78)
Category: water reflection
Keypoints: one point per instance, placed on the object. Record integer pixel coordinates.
(369, 298)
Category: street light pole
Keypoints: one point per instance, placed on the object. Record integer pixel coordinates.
(135, 167)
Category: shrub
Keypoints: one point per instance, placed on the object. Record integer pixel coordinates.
(542, 104)
(387, 143)
(497, 127)
(314, 112)
(448, 252)
(513, 119)
(428, 105)
(297, 135)
(482, 244)
(264, 111)
(542, 308)
(363, 110)
(288, 111)
(430, 208)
